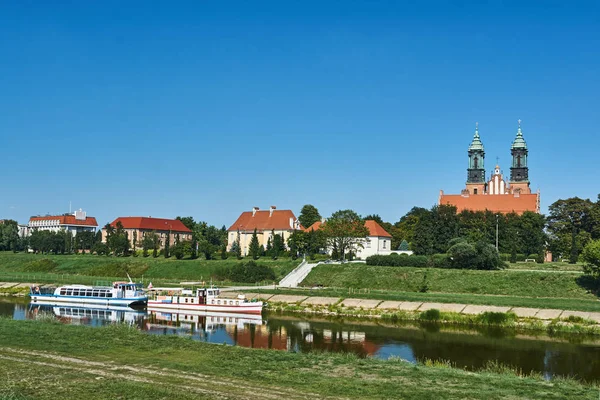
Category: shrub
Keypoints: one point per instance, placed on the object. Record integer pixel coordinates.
(430, 315)
(495, 318)
(249, 272)
(395, 260)
(43, 265)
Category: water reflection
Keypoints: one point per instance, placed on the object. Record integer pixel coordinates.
(575, 356)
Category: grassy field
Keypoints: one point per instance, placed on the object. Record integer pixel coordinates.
(85, 268)
(43, 360)
(407, 279)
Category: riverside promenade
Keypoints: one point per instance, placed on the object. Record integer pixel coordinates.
(387, 305)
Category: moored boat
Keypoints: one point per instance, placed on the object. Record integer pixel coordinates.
(204, 299)
(126, 294)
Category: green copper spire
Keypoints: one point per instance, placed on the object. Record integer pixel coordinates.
(476, 143)
(519, 142)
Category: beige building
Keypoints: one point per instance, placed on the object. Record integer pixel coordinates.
(143, 225)
(281, 222)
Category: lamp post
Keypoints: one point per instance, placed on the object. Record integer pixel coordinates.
(496, 232)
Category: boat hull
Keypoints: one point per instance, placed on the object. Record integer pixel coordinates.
(98, 301)
(244, 308)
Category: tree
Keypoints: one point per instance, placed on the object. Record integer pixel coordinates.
(254, 247)
(167, 244)
(278, 245)
(403, 246)
(9, 235)
(135, 243)
(345, 231)
(591, 257)
(223, 252)
(188, 222)
(236, 248)
(570, 221)
(309, 215)
(148, 242)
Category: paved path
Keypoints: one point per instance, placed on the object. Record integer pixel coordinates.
(292, 279)
(472, 309)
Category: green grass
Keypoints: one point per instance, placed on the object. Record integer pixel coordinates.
(407, 279)
(553, 266)
(86, 268)
(121, 362)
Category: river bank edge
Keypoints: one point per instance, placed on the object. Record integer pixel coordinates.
(318, 374)
(572, 325)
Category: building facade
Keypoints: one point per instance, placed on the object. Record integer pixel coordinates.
(73, 223)
(379, 241)
(141, 226)
(266, 223)
(496, 194)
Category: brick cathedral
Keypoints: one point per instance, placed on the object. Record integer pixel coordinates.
(496, 194)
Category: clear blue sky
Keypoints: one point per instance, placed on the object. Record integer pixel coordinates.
(207, 109)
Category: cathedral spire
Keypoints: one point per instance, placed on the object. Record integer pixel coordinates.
(519, 142)
(476, 144)
(476, 170)
(519, 172)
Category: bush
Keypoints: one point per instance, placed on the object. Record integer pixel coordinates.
(43, 265)
(507, 257)
(249, 272)
(496, 318)
(396, 260)
(430, 315)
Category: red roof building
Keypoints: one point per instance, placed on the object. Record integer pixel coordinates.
(281, 222)
(76, 222)
(140, 226)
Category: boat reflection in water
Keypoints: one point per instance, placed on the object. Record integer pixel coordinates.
(77, 314)
(207, 326)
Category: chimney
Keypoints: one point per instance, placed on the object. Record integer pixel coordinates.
(273, 208)
(254, 210)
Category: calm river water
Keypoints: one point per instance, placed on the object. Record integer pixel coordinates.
(574, 356)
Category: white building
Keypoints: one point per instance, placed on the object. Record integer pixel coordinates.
(379, 241)
(76, 222)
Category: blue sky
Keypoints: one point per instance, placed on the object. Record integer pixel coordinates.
(207, 109)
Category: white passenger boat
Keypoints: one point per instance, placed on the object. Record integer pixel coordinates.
(204, 299)
(126, 294)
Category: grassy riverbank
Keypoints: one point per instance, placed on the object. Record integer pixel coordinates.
(45, 360)
(85, 268)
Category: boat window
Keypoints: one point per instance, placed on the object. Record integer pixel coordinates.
(69, 292)
(75, 292)
(237, 303)
(218, 301)
(102, 294)
(213, 302)
(108, 294)
(95, 293)
(63, 292)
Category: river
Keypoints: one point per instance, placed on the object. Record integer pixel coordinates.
(573, 355)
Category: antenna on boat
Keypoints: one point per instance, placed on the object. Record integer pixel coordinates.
(130, 281)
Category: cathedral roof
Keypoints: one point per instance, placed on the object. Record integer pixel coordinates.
(476, 144)
(519, 142)
(502, 203)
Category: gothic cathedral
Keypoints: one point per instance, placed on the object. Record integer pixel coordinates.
(495, 194)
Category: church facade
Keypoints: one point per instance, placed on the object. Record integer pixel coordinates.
(495, 193)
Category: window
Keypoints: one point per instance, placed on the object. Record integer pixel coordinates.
(102, 294)
(69, 292)
(384, 242)
(63, 292)
(475, 191)
(95, 293)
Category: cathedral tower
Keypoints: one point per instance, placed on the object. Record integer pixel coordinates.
(476, 170)
(519, 172)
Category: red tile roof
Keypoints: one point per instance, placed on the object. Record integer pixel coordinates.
(504, 204)
(314, 227)
(153, 224)
(67, 220)
(374, 228)
(264, 221)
